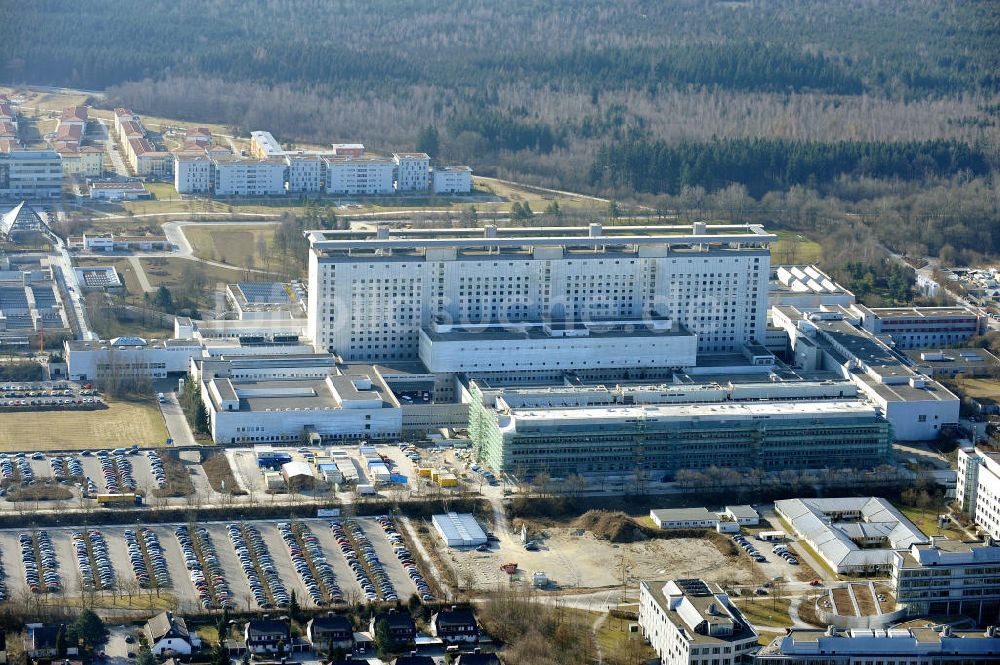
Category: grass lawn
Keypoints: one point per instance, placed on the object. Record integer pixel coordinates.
(766, 611)
(168, 271)
(976, 388)
(926, 521)
(621, 647)
(122, 424)
(230, 243)
(794, 248)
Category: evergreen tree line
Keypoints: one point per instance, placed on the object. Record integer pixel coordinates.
(767, 164)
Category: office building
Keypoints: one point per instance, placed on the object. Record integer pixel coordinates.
(922, 327)
(359, 175)
(412, 171)
(371, 293)
(30, 174)
(255, 301)
(351, 406)
(452, 180)
(852, 535)
(117, 190)
(914, 644)
(978, 487)
(948, 577)
(595, 430)
(689, 621)
(832, 338)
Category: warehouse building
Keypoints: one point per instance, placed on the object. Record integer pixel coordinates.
(459, 530)
(948, 577)
(853, 535)
(690, 621)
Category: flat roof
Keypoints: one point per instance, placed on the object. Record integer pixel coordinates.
(921, 312)
(683, 514)
(536, 331)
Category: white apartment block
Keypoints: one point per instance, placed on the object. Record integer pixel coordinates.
(412, 171)
(978, 488)
(241, 177)
(359, 175)
(371, 293)
(30, 174)
(192, 173)
(692, 622)
(305, 173)
(452, 180)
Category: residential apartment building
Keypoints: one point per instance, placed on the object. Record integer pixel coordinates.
(371, 293)
(348, 149)
(359, 175)
(193, 173)
(241, 177)
(145, 159)
(693, 622)
(30, 174)
(412, 171)
(451, 180)
(86, 161)
(264, 145)
(978, 488)
(947, 577)
(923, 644)
(304, 173)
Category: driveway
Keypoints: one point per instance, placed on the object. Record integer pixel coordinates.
(177, 424)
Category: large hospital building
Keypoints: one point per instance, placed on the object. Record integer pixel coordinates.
(371, 293)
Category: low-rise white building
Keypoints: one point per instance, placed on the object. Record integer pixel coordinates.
(452, 179)
(118, 191)
(359, 175)
(459, 530)
(743, 515)
(684, 518)
(690, 621)
(338, 407)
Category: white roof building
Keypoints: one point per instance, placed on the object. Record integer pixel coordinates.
(853, 534)
(459, 530)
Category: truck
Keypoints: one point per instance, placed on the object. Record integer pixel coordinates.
(112, 500)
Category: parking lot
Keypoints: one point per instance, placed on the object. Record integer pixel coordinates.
(77, 551)
(43, 395)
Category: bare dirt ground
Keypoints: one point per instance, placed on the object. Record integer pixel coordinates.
(572, 558)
